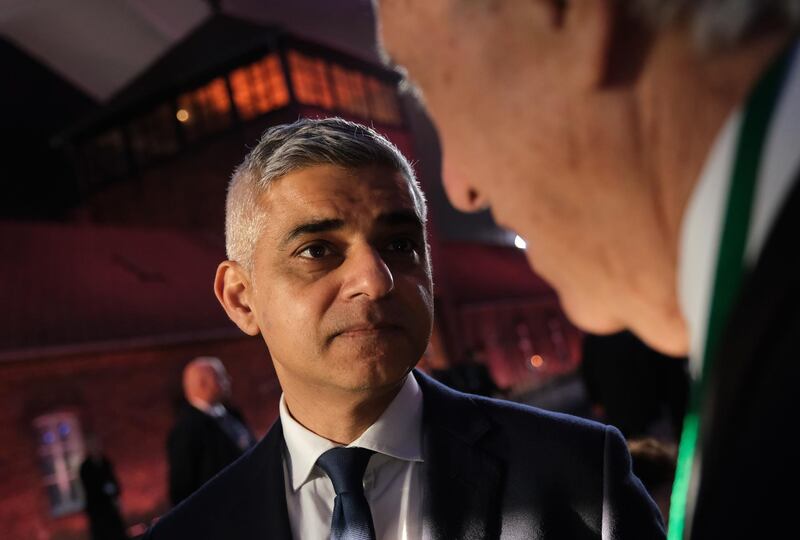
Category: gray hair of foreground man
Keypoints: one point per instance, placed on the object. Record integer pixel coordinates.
(290, 147)
(716, 23)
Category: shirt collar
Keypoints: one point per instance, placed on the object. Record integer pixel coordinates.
(396, 433)
(701, 228)
(216, 410)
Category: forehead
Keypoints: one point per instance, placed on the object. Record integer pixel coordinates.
(334, 192)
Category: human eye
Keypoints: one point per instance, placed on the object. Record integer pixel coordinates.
(315, 251)
(402, 245)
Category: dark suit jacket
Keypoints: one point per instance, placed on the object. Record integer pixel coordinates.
(197, 449)
(494, 470)
(750, 469)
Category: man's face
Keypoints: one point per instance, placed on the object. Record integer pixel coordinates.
(526, 132)
(220, 383)
(341, 281)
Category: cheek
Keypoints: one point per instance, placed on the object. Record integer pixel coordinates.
(417, 297)
(291, 318)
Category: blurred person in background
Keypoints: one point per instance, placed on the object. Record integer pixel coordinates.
(471, 376)
(634, 388)
(102, 491)
(654, 464)
(209, 434)
(646, 150)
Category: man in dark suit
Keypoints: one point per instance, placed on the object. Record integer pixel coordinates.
(329, 262)
(647, 152)
(207, 435)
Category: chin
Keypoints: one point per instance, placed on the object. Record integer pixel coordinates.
(589, 317)
(670, 338)
(374, 373)
(663, 333)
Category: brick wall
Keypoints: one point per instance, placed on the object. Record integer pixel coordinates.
(128, 398)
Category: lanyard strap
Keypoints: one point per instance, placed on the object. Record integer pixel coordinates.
(730, 272)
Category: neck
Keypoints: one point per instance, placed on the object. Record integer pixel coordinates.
(199, 403)
(338, 415)
(685, 97)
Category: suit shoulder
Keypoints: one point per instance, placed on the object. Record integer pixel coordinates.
(459, 410)
(210, 511)
(534, 420)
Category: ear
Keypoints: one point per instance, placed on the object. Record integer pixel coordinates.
(588, 27)
(232, 289)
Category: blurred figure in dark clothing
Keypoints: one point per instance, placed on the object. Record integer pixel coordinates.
(631, 386)
(208, 435)
(102, 491)
(470, 376)
(654, 464)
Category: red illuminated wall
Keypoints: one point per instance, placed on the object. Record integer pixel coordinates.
(128, 399)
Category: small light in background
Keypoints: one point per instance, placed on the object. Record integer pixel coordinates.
(537, 361)
(520, 242)
(182, 115)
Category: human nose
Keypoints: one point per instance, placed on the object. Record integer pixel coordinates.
(463, 195)
(367, 275)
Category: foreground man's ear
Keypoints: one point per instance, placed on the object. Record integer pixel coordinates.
(232, 289)
(588, 27)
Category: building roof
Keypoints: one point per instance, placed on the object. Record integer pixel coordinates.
(72, 287)
(218, 41)
(101, 45)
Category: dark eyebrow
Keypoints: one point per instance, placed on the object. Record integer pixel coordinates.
(310, 227)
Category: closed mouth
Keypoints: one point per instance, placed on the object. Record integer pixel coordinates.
(367, 330)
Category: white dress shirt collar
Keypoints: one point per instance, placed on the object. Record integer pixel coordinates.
(396, 433)
(216, 410)
(703, 219)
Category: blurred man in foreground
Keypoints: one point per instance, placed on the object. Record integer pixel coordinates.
(208, 435)
(647, 152)
(329, 262)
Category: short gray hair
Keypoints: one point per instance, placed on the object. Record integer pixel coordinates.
(287, 148)
(716, 23)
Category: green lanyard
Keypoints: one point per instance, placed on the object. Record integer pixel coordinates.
(730, 272)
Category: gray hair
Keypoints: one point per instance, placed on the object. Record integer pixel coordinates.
(716, 23)
(287, 148)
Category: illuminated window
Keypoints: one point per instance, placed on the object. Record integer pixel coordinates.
(61, 451)
(153, 135)
(207, 109)
(259, 87)
(350, 91)
(382, 101)
(104, 156)
(310, 80)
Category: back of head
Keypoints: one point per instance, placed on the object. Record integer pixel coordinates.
(287, 148)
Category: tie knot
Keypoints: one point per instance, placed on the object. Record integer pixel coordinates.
(345, 467)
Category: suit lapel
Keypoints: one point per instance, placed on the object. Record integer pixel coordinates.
(767, 291)
(261, 509)
(464, 482)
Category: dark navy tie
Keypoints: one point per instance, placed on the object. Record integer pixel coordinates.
(345, 467)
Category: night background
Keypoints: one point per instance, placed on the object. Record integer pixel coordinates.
(122, 122)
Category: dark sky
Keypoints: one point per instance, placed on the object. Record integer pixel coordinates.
(36, 181)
